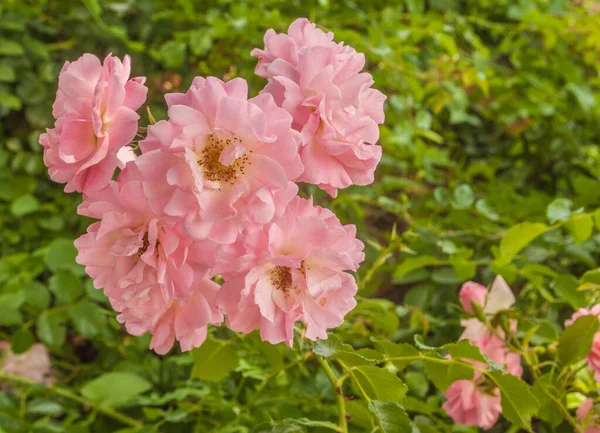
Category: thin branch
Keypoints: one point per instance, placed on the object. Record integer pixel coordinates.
(338, 391)
(563, 410)
(112, 413)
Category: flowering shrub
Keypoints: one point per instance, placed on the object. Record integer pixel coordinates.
(433, 272)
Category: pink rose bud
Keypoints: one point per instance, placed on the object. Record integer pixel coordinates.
(472, 292)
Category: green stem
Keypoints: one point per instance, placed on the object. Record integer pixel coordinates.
(338, 391)
(565, 412)
(254, 399)
(72, 396)
(324, 424)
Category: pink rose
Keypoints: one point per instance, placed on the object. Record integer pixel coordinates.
(95, 117)
(184, 320)
(469, 404)
(238, 156)
(594, 311)
(154, 274)
(318, 81)
(472, 292)
(292, 269)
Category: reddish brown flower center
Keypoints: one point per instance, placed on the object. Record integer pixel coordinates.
(145, 245)
(210, 156)
(281, 278)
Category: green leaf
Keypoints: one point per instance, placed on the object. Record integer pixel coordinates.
(50, 329)
(463, 197)
(115, 389)
(576, 341)
(87, 318)
(53, 223)
(66, 286)
(584, 95)
(214, 360)
(10, 101)
(429, 134)
(12, 300)
(273, 353)
(399, 354)
(443, 374)
(518, 402)
(360, 415)
(333, 348)
(445, 275)
(61, 255)
(559, 210)
(172, 54)
(12, 24)
(7, 73)
(10, 48)
(464, 269)
(565, 287)
(356, 358)
(201, 42)
(93, 6)
(421, 344)
(40, 406)
(378, 383)
(36, 294)
(285, 426)
(412, 264)
(326, 348)
(10, 316)
(21, 341)
(24, 205)
(592, 276)
(464, 350)
(417, 383)
(516, 238)
(486, 210)
(550, 411)
(581, 227)
(390, 417)
(415, 6)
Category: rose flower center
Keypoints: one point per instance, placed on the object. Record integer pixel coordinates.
(145, 245)
(210, 162)
(281, 278)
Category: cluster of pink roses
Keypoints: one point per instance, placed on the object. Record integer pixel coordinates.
(476, 402)
(214, 191)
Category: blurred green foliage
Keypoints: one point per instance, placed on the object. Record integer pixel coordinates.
(491, 165)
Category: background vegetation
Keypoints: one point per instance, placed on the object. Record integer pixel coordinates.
(491, 166)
